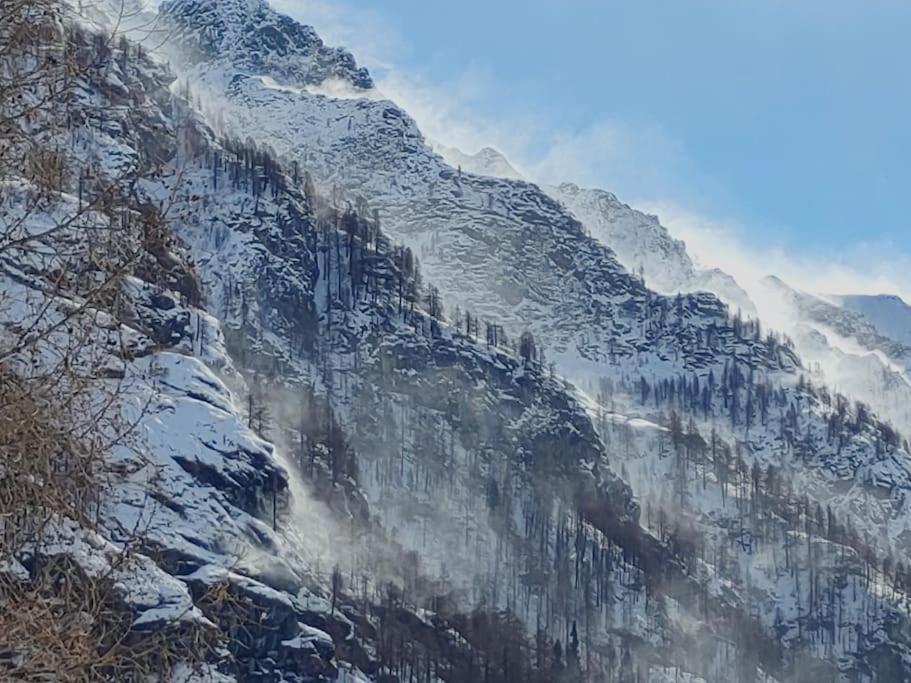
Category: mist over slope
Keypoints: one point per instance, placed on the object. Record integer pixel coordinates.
(860, 350)
(401, 421)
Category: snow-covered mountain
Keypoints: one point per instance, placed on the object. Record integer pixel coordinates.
(646, 247)
(861, 349)
(485, 162)
(505, 251)
(355, 461)
(239, 538)
(887, 312)
(188, 486)
(847, 349)
(641, 243)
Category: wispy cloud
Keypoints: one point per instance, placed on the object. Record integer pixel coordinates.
(447, 113)
(620, 156)
(365, 32)
(636, 161)
(615, 154)
(866, 268)
(643, 164)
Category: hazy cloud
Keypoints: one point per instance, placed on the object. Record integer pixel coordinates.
(866, 268)
(445, 113)
(369, 37)
(643, 164)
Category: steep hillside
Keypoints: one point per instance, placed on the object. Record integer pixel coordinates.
(848, 351)
(476, 464)
(641, 243)
(327, 461)
(888, 313)
(471, 448)
(128, 555)
(645, 247)
(507, 253)
(304, 563)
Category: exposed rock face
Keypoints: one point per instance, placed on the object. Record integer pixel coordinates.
(352, 481)
(641, 243)
(646, 248)
(263, 40)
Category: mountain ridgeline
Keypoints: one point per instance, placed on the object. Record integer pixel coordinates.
(392, 420)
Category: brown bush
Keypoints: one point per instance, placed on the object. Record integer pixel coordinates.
(61, 378)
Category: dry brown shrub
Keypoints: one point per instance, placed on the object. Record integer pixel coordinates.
(46, 470)
(63, 625)
(61, 380)
(47, 169)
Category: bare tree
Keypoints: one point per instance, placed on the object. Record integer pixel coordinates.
(70, 232)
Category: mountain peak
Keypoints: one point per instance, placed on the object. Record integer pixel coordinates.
(254, 36)
(487, 161)
(887, 312)
(774, 281)
(572, 189)
(645, 246)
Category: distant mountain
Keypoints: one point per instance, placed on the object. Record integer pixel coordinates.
(485, 162)
(851, 325)
(646, 247)
(851, 352)
(888, 313)
(641, 243)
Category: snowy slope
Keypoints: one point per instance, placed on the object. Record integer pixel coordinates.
(887, 312)
(862, 355)
(210, 495)
(478, 506)
(645, 247)
(849, 351)
(641, 243)
(188, 485)
(506, 251)
(479, 237)
(843, 321)
(474, 234)
(439, 472)
(423, 455)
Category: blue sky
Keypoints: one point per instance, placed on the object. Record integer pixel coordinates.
(787, 119)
